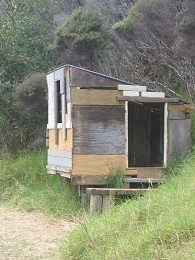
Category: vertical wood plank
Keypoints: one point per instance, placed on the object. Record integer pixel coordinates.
(50, 84)
(95, 203)
(55, 113)
(68, 112)
(63, 98)
(165, 133)
(67, 85)
(126, 133)
(105, 202)
(63, 116)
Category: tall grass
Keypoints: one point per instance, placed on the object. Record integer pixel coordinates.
(25, 184)
(160, 225)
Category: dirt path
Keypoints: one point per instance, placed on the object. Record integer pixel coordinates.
(30, 235)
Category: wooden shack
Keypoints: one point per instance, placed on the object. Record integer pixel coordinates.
(97, 122)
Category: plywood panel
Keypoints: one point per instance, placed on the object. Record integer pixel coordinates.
(95, 97)
(99, 129)
(96, 164)
(86, 79)
(65, 145)
(179, 137)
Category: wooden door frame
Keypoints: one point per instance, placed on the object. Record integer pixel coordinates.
(165, 155)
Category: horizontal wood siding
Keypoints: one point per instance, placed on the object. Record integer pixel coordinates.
(60, 154)
(99, 130)
(96, 164)
(81, 78)
(95, 97)
(59, 161)
(60, 158)
(64, 145)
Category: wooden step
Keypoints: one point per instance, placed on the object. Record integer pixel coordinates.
(102, 198)
(140, 180)
(115, 191)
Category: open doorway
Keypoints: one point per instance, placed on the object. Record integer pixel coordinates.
(145, 134)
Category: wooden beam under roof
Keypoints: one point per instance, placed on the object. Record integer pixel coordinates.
(147, 99)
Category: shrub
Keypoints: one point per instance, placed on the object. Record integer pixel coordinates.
(81, 37)
(30, 95)
(135, 13)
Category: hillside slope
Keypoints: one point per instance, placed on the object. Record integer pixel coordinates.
(160, 225)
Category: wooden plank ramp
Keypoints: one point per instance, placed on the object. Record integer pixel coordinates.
(102, 198)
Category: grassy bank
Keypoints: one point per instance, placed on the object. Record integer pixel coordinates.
(160, 225)
(25, 184)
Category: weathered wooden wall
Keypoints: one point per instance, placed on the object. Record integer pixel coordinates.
(60, 154)
(179, 131)
(82, 78)
(99, 130)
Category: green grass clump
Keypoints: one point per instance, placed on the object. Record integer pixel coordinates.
(160, 225)
(25, 185)
(115, 178)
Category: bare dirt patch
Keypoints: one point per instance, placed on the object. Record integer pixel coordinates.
(30, 235)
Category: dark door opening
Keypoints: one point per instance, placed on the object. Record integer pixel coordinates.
(145, 134)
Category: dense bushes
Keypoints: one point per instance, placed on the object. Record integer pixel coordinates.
(80, 38)
(30, 95)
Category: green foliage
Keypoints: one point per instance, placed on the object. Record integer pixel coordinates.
(82, 35)
(25, 185)
(18, 129)
(159, 225)
(115, 178)
(134, 15)
(26, 29)
(25, 32)
(30, 95)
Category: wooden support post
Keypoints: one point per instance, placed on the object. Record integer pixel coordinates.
(95, 203)
(105, 202)
(112, 196)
